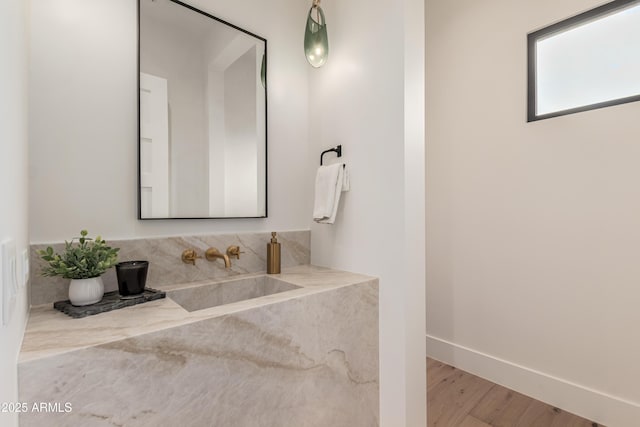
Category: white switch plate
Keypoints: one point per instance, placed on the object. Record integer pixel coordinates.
(1, 289)
(25, 268)
(9, 279)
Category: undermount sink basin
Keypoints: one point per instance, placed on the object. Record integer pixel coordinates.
(215, 294)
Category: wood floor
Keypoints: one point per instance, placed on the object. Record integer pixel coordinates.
(458, 399)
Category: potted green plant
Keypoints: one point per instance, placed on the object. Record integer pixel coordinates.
(82, 262)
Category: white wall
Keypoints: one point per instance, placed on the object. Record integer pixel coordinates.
(14, 177)
(533, 229)
(367, 98)
(83, 124)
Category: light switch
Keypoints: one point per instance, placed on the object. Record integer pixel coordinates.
(1, 289)
(9, 278)
(25, 268)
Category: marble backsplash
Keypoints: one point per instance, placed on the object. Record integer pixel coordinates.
(166, 267)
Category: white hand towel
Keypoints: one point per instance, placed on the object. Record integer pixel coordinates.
(346, 181)
(329, 184)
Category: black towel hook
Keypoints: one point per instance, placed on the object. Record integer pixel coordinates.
(337, 150)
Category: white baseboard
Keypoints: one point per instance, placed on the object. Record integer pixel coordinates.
(592, 404)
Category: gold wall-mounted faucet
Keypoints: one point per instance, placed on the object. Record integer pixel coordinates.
(189, 256)
(234, 251)
(213, 253)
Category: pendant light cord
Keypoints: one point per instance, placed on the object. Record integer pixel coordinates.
(316, 6)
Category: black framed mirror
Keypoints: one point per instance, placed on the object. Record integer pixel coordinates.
(202, 115)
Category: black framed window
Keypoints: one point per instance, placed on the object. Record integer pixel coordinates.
(589, 61)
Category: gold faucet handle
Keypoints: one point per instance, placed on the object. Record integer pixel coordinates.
(234, 251)
(189, 256)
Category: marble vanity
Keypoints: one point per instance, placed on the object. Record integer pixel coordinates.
(305, 353)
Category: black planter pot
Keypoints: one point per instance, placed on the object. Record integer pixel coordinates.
(132, 277)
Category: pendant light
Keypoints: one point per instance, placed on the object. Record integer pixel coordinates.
(316, 42)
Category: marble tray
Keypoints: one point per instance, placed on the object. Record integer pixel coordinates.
(110, 301)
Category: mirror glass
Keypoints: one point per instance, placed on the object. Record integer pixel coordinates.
(202, 115)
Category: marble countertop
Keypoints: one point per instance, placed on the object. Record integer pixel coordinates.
(50, 332)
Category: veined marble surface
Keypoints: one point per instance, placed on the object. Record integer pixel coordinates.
(50, 332)
(302, 358)
(166, 266)
(230, 291)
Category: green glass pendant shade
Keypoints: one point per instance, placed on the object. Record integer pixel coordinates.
(316, 41)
